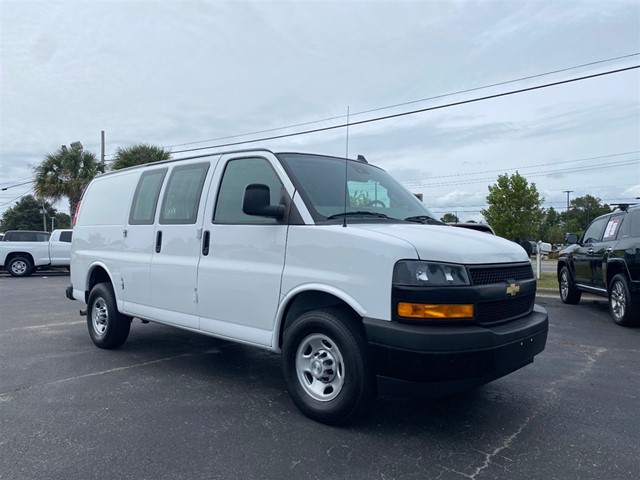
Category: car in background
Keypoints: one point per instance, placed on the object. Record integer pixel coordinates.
(605, 261)
(26, 251)
(1, 236)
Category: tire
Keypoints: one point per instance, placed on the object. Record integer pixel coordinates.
(20, 267)
(624, 310)
(568, 290)
(326, 367)
(108, 328)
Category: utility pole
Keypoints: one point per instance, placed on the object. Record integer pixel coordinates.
(102, 149)
(568, 192)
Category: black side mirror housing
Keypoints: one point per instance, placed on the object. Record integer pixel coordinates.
(257, 198)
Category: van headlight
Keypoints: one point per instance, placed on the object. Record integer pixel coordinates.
(417, 273)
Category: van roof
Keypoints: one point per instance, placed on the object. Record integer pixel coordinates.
(360, 158)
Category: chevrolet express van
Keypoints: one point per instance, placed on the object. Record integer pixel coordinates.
(328, 261)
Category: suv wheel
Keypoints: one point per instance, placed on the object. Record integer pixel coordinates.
(569, 293)
(624, 311)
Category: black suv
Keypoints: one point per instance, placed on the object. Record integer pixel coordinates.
(606, 262)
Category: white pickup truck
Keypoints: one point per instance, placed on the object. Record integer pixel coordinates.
(22, 256)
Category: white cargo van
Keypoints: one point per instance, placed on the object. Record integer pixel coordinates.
(354, 283)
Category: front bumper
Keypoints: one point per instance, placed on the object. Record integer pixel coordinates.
(454, 358)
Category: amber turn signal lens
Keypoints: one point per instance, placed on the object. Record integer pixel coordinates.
(435, 311)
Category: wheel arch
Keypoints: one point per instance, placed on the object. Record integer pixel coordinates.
(13, 255)
(563, 262)
(615, 267)
(313, 298)
(97, 273)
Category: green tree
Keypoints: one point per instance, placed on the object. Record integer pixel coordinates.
(359, 199)
(65, 174)
(582, 211)
(27, 215)
(555, 235)
(61, 220)
(450, 218)
(138, 155)
(514, 207)
(551, 219)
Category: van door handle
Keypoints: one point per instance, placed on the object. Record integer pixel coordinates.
(205, 243)
(158, 241)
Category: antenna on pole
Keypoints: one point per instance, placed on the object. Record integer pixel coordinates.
(346, 164)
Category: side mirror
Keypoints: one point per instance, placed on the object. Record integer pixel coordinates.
(571, 239)
(257, 198)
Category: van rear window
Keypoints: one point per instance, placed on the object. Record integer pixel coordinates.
(145, 200)
(182, 195)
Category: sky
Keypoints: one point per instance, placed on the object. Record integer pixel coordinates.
(195, 74)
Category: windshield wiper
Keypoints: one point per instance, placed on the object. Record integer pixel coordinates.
(359, 213)
(423, 219)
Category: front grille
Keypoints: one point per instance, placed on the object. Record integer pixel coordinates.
(500, 274)
(501, 311)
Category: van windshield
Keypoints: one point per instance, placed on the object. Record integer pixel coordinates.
(373, 195)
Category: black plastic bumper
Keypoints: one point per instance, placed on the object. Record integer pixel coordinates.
(454, 358)
(69, 292)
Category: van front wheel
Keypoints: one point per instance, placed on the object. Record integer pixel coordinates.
(326, 368)
(108, 328)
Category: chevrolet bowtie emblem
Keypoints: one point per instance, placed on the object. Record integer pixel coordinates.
(513, 289)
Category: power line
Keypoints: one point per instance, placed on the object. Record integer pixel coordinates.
(413, 112)
(303, 124)
(526, 166)
(534, 174)
(18, 197)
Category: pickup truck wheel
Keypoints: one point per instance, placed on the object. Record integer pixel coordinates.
(568, 291)
(108, 328)
(326, 368)
(20, 267)
(624, 311)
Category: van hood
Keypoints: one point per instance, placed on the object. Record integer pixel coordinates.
(443, 243)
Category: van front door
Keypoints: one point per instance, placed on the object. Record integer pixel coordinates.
(177, 237)
(243, 256)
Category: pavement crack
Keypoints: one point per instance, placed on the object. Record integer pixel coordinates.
(93, 374)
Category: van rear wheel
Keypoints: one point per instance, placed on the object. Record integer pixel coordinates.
(108, 328)
(326, 367)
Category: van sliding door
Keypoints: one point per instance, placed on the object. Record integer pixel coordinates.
(176, 246)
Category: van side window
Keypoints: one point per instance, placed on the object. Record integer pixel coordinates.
(65, 237)
(145, 199)
(182, 195)
(237, 175)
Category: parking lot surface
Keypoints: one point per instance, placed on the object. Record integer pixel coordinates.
(174, 405)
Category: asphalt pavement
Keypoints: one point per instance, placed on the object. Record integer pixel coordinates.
(174, 405)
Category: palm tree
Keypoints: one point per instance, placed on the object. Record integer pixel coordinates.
(66, 173)
(139, 155)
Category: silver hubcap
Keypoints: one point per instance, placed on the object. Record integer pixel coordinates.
(564, 285)
(99, 316)
(320, 367)
(618, 300)
(19, 267)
